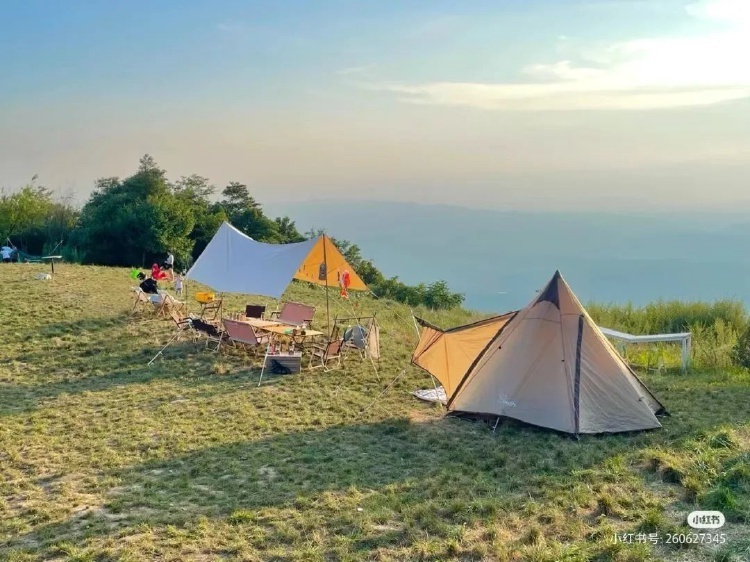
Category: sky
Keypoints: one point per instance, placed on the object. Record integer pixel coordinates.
(514, 104)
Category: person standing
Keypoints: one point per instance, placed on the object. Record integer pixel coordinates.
(178, 284)
(169, 265)
(7, 252)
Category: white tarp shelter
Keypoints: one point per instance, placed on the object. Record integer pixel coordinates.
(235, 263)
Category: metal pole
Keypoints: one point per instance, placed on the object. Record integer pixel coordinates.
(328, 311)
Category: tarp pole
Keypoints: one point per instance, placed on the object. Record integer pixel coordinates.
(328, 310)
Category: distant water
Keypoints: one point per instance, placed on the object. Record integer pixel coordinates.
(620, 281)
(499, 259)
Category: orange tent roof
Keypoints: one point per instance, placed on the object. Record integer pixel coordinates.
(324, 251)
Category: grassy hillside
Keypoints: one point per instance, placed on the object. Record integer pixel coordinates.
(105, 458)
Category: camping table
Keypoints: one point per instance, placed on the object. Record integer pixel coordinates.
(283, 330)
(259, 323)
(276, 330)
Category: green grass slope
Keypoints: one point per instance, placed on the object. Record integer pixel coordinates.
(105, 458)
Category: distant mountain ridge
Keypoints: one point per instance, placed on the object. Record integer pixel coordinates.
(498, 258)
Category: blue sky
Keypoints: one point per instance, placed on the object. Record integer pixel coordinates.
(507, 104)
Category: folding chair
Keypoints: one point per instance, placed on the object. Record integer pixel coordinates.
(244, 334)
(211, 332)
(141, 300)
(295, 314)
(167, 303)
(324, 354)
(255, 310)
(211, 310)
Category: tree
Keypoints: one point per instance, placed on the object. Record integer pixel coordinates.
(194, 192)
(24, 209)
(124, 223)
(287, 230)
(245, 214)
(34, 221)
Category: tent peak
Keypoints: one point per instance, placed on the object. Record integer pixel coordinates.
(551, 292)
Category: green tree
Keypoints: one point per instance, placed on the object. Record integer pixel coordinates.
(287, 230)
(194, 192)
(34, 220)
(245, 214)
(135, 221)
(24, 209)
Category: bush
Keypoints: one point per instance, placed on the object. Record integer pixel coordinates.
(741, 349)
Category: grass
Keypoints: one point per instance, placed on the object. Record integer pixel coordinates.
(103, 458)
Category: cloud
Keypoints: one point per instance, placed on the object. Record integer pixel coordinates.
(640, 74)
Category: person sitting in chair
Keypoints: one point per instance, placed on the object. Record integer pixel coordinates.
(148, 286)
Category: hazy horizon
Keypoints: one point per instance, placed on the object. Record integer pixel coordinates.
(587, 104)
(499, 258)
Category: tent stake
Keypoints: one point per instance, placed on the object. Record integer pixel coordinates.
(497, 421)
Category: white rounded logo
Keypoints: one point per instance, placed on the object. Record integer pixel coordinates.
(706, 519)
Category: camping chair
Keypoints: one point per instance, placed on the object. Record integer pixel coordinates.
(295, 314)
(244, 334)
(255, 311)
(141, 300)
(211, 332)
(210, 311)
(183, 324)
(167, 302)
(322, 355)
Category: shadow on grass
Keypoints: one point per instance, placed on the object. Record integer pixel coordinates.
(402, 477)
(189, 363)
(52, 329)
(386, 484)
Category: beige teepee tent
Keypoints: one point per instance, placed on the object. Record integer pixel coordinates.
(547, 364)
